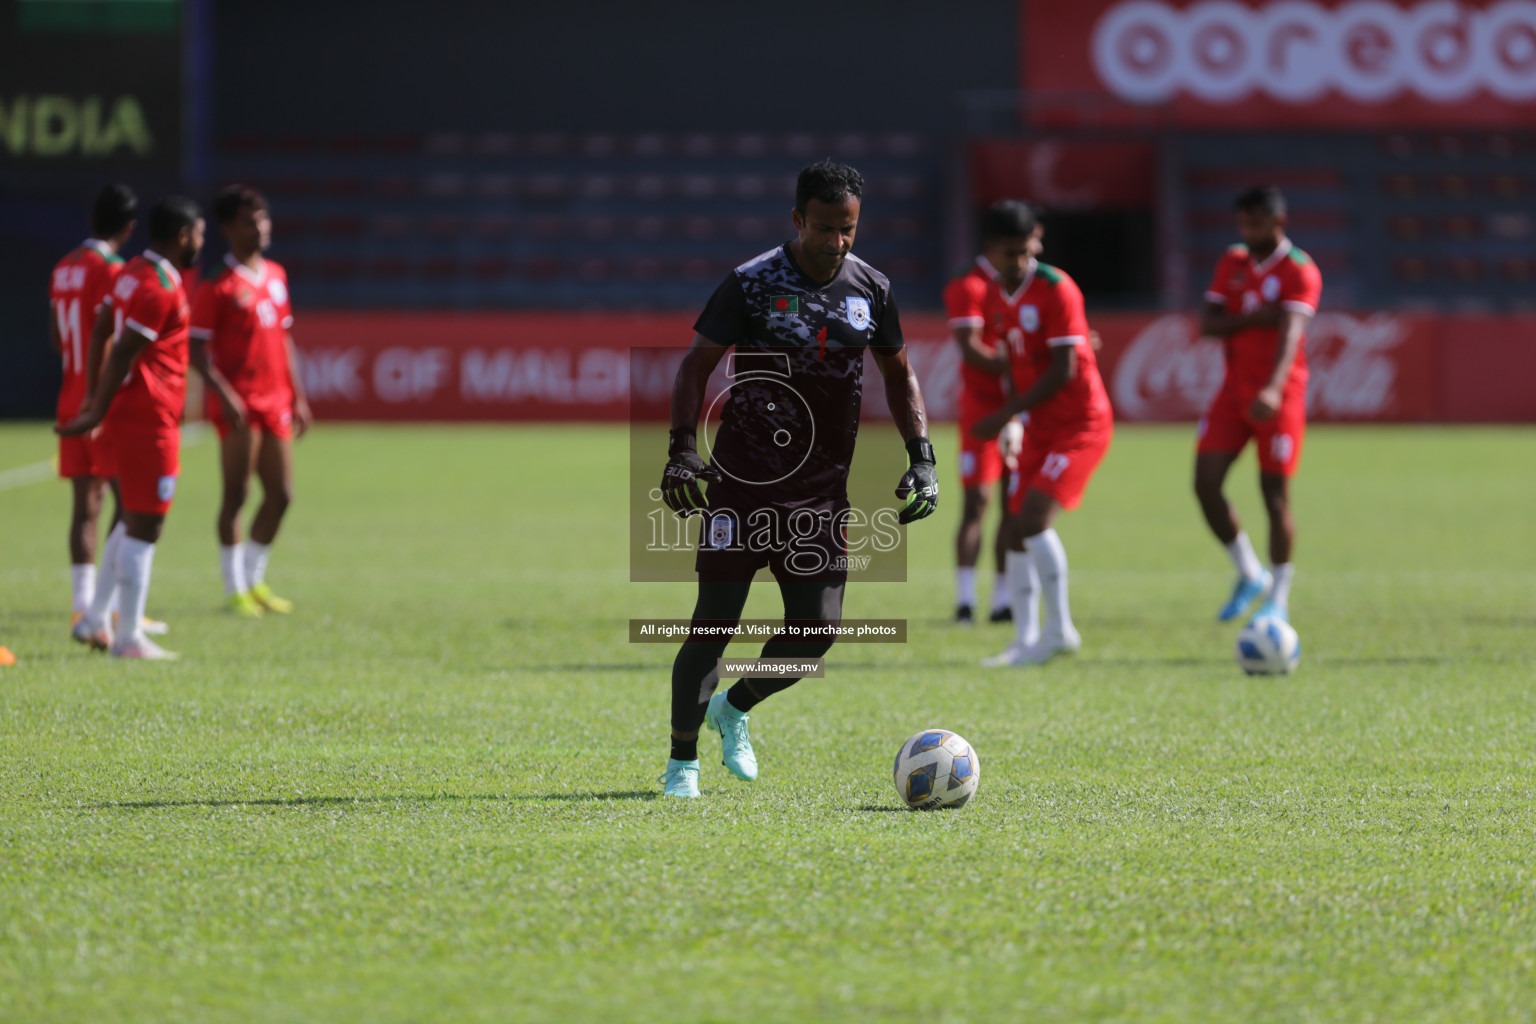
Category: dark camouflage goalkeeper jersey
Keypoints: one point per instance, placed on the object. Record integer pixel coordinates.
(790, 413)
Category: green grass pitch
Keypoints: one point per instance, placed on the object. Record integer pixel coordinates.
(430, 794)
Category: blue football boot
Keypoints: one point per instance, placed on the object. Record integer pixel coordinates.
(1243, 594)
(735, 745)
(681, 779)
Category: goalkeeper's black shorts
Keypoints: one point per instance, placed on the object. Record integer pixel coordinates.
(802, 541)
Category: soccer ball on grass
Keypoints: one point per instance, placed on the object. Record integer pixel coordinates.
(1268, 646)
(936, 768)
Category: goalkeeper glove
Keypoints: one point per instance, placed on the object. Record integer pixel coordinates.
(920, 483)
(680, 480)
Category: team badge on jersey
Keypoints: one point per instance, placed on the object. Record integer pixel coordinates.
(858, 312)
(277, 291)
(1270, 289)
(1029, 318)
(722, 532)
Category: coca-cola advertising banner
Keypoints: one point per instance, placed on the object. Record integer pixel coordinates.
(1378, 366)
(576, 366)
(1298, 63)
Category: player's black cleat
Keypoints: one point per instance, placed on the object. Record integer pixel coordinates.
(1001, 615)
(964, 613)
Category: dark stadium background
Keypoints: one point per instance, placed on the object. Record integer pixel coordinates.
(579, 176)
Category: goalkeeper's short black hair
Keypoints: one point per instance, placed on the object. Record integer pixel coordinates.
(1261, 199)
(170, 215)
(829, 182)
(1010, 218)
(116, 207)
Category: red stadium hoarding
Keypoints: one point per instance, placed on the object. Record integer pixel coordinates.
(1486, 366)
(1291, 63)
(481, 366)
(1065, 175)
(1387, 367)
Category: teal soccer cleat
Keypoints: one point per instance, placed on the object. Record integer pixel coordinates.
(735, 745)
(1242, 596)
(1271, 610)
(681, 779)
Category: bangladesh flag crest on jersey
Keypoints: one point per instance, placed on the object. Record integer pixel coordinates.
(782, 304)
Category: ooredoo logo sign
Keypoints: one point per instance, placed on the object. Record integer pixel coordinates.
(1297, 51)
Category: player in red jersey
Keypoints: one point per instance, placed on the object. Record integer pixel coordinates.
(140, 395)
(242, 347)
(1262, 296)
(80, 283)
(1056, 380)
(977, 306)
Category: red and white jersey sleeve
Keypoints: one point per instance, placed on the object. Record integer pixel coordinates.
(1063, 320)
(146, 310)
(1225, 279)
(1301, 286)
(965, 299)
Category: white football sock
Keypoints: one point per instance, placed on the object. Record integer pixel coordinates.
(232, 565)
(133, 565)
(1024, 597)
(105, 598)
(1049, 558)
(82, 583)
(1280, 592)
(965, 584)
(1002, 597)
(1245, 558)
(255, 562)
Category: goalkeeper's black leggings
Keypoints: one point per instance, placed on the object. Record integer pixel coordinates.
(695, 673)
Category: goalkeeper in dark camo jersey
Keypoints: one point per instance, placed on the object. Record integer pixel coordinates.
(800, 317)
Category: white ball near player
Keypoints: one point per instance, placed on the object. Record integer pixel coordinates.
(1268, 646)
(936, 768)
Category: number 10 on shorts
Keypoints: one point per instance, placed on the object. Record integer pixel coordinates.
(1054, 465)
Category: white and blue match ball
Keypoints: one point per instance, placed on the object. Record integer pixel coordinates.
(936, 769)
(1268, 646)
